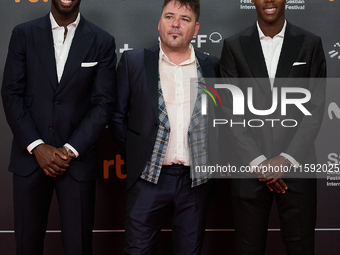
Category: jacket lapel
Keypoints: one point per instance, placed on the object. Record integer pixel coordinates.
(151, 70)
(204, 69)
(290, 49)
(252, 50)
(81, 44)
(207, 67)
(43, 41)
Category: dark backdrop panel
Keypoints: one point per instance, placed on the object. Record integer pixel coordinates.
(134, 25)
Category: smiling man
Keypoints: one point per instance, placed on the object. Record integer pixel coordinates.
(58, 90)
(270, 49)
(152, 120)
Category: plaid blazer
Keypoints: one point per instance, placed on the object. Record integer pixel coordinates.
(140, 124)
(197, 139)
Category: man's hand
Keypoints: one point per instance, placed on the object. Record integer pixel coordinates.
(279, 186)
(270, 171)
(51, 160)
(63, 150)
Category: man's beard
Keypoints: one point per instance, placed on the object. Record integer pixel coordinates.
(65, 12)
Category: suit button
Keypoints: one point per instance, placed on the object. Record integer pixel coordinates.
(50, 126)
(56, 103)
(156, 124)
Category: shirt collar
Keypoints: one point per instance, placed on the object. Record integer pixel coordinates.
(163, 56)
(281, 34)
(55, 25)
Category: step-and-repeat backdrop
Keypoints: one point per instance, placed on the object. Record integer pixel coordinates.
(134, 25)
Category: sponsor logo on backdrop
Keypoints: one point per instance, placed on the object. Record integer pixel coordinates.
(333, 177)
(198, 41)
(333, 158)
(246, 5)
(335, 53)
(295, 5)
(114, 165)
(125, 48)
(290, 5)
(214, 37)
(201, 40)
(333, 111)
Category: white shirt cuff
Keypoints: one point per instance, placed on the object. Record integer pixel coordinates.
(33, 145)
(76, 153)
(290, 158)
(256, 162)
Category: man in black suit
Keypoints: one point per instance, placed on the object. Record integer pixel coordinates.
(274, 48)
(154, 98)
(58, 90)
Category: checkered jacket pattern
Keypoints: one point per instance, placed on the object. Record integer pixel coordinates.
(197, 139)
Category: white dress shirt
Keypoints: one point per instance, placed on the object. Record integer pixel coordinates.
(271, 48)
(62, 47)
(175, 83)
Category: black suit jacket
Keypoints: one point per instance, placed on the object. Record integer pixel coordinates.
(242, 57)
(74, 111)
(135, 116)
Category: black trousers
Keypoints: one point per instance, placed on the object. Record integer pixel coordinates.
(32, 199)
(148, 202)
(252, 203)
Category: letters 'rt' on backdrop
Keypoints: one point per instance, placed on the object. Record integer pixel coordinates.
(134, 25)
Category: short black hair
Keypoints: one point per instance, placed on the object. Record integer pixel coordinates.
(194, 5)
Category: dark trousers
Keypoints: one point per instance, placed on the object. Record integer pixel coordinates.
(252, 203)
(32, 199)
(146, 206)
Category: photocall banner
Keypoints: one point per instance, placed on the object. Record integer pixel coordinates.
(133, 23)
